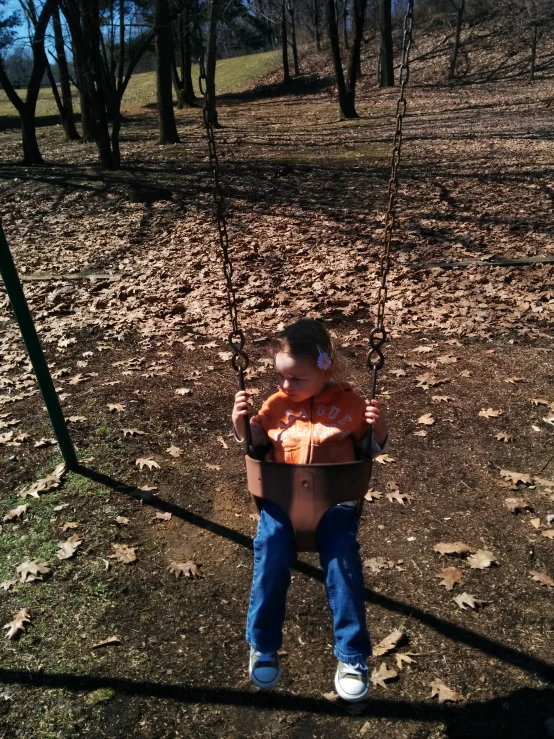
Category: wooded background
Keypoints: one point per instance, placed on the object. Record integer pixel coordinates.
(88, 50)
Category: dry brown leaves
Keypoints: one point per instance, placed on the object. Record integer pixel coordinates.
(455, 547)
(443, 692)
(465, 599)
(188, 569)
(32, 570)
(17, 625)
(450, 576)
(68, 548)
(124, 553)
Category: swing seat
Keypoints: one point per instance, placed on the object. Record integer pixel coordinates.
(305, 492)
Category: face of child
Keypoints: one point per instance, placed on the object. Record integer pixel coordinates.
(300, 377)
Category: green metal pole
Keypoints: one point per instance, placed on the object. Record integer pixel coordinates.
(36, 355)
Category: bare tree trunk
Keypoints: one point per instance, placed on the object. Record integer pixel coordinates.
(66, 112)
(284, 42)
(455, 49)
(164, 53)
(27, 108)
(316, 25)
(534, 51)
(182, 83)
(291, 10)
(387, 60)
(346, 97)
(211, 65)
(87, 124)
(345, 23)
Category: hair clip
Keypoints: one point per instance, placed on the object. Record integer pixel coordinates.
(324, 361)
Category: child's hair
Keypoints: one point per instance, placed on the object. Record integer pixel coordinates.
(305, 338)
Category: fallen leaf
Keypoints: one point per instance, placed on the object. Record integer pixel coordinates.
(401, 658)
(481, 560)
(15, 512)
(115, 407)
(78, 379)
(515, 505)
(373, 495)
(133, 432)
(384, 459)
(41, 443)
(17, 625)
(514, 380)
(549, 420)
(122, 521)
(549, 533)
(442, 398)
(212, 466)
(540, 401)
(490, 413)
(142, 463)
(428, 380)
(427, 419)
(465, 599)
(387, 644)
(456, 547)
(503, 436)
(379, 676)
(111, 640)
(188, 569)
(443, 692)
(542, 578)
(516, 477)
(421, 432)
(76, 419)
(124, 553)
(376, 564)
(398, 372)
(67, 548)
(535, 522)
(183, 391)
(254, 516)
(465, 373)
(7, 584)
(32, 570)
(174, 451)
(70, 525)
(50, 482)
(223, 442)
(163, 516)
(451, 576)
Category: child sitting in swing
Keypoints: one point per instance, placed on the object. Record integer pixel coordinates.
(310, 420)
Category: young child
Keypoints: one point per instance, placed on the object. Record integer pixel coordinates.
(310, 420)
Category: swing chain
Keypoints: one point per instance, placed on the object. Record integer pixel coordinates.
(378, 336)
(236, 339)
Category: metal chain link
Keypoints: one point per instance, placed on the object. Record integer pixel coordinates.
(236, 339)
(378, 335)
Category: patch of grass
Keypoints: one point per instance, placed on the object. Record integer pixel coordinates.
(232, 75)
(100, 696)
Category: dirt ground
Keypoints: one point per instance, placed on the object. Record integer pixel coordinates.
(471, 350)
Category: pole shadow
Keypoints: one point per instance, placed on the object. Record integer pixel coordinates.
(528, 663)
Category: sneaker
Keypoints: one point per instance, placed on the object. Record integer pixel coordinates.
(351, 681)
(265, 669)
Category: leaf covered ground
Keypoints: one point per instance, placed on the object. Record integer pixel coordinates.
(124, 590)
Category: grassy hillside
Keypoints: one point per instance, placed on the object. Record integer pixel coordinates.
(232, 75)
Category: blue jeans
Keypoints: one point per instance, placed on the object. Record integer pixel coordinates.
(275, 552)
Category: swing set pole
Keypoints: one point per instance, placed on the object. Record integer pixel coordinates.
(23, 317)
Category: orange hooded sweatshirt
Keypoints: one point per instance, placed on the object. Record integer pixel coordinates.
(320, 430)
